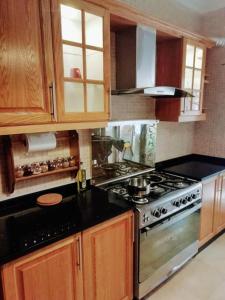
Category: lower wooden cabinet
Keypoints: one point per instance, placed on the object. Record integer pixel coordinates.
(213, 208)
(108, 260)
(99, 261)
(52, 273)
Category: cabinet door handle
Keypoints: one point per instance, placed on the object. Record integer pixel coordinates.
(78, 245)
(52, 99)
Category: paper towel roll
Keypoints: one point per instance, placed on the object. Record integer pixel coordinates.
(40, 141)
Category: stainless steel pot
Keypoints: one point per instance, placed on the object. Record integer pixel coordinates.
(139, 187)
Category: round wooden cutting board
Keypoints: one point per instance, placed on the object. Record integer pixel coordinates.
(49, 199)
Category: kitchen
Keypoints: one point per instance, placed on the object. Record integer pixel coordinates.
(187, 128)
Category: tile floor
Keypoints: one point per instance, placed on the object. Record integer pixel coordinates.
(201, 279)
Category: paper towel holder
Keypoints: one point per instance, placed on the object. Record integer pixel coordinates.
(10, 178)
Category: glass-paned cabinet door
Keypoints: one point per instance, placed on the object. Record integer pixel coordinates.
(84, 54)
(193, 77)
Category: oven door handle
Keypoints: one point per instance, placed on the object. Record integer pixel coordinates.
(171, 220)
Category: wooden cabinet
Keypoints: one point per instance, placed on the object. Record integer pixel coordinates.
(108, 260)
(207, 210)
(26, 62)
(81, 50)
(54, 62)
(52, 273)
(99, 261)
(213, 208)
(219, 210)
(181, 63)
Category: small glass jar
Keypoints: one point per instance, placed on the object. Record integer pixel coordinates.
(51, 165)
(36, 168)
(72, 161)
(66, 163)
(19, 171)
(59, 163)
(44, 167)
(28, 170)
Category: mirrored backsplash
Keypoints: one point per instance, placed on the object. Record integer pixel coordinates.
(123, 148)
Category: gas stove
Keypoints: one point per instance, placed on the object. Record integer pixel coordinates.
(167, 224)
(169, 195)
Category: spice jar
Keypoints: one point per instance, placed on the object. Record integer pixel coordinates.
(59, 163)
(44, 167)
(19, 171)
(51, 165)
(28, 170)
(36, 168)
(66, 163)
(72, 161)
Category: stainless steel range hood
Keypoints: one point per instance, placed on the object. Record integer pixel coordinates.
(155, 92)
(136, 65)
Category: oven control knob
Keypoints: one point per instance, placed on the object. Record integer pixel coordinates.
(176, 203)
(188, 198)
(193, 196)
(163, 210)
(156, 213)
(184, 201)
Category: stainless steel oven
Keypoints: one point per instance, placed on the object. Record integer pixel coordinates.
(166, 226)
(163, 247)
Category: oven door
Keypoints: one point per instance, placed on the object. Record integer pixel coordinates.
(161, 244)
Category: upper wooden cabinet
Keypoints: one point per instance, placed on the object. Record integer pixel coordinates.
(181, 63)
(81, 52)
(26, 63)
(54, 61)
(52, 273)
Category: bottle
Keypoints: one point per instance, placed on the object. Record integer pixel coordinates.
(81, 179)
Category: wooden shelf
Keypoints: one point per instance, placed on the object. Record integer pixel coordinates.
(46, 174)
(11, 180)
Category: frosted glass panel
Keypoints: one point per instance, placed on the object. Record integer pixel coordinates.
(94, 62)
(197, 80)
(188, 78)
(95, 98)
(71, 24)
(190, 50)
(198, 58)
(94, 30)
(74, 97)
(72, 61)
(187, 104)
(195, 106)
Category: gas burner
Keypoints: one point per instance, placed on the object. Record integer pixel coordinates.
(139, 200)
(158, 191)
(177, 184)
(154, 178)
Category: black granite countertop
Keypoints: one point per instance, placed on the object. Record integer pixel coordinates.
(198, 167)
(22, 221)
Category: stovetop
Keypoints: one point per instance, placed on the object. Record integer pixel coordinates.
(164, 183)
(170, 195)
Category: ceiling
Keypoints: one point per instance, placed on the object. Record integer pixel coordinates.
(203, 6)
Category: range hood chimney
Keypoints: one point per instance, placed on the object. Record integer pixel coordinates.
(136, 65)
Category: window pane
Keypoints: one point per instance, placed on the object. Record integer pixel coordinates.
(188, 78)
(95, 98)
(94, 30)
(74, 97)
(71, 24)
(197, 80)
(72, 61)
(94, 62)
(190, 50)
(198, 58)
